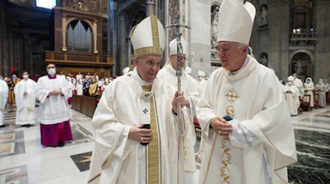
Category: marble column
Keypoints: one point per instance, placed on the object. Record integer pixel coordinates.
(112, 34)
(150, 7)
(123, 44)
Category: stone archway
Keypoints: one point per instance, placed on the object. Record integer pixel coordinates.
(301, 63)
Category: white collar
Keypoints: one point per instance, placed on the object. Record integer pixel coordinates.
(139, 79)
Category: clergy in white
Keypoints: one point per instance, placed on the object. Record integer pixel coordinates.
(321, 89)
(126, 152)
(242, 111)
(309, 88)
(25, 101)
(189, 87)
(3, 100)
(292, 96)
(53, 113)
(299, 84)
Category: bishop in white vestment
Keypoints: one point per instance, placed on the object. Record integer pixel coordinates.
(53, 113)
(190, 88)
(136, 133)
(25, 101)
(292, 96)
(242, 111)
(3, 100)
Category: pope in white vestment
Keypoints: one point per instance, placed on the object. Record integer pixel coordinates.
(292, 96)
(3, 100)
(123, 153)
(242, 112)
(53, 114)
(25, 101)
(190, 88)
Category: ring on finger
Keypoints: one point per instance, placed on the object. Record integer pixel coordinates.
(141, 138)
(219, 132)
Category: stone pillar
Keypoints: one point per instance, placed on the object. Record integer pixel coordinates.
(64, 48)
(26, 59)
(95, 36)
(123, 44)
(150, 7)
(112, 34)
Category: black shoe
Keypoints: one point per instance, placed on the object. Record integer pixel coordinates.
(1, 126)
(27, 125)
(60, 144)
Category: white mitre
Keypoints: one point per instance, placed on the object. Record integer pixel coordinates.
(235, 21)
(173, 47)
(148, 37)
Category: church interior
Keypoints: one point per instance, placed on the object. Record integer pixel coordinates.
(92, 38)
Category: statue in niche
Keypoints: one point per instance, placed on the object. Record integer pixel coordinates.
(263, 17)
(214, 33)
(298, 67)
(214, 28)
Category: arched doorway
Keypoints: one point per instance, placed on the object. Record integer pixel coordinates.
(301, 64)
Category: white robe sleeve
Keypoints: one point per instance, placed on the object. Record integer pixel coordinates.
(3, 95)
(66, 90)
(241, 137)
(41, 93)
(111, 136)
(19, 95)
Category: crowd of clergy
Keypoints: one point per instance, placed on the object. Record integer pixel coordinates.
(305, 96)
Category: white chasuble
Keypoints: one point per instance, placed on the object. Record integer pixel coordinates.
(25, 103)
(119, 160)
(3, 100)
(254, 99)
(190, 88)
(53, 109)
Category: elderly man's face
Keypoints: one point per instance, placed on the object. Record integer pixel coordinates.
(174, 61)
(148, 67)
(231, 55)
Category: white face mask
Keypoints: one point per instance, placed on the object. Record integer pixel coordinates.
(52, 71)
(25, 76)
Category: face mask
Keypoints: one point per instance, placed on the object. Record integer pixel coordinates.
(294, 77)
(51, 71)
(14, 76)
(1, 78)
(25, 76)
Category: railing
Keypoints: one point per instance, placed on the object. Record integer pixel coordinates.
(305, 38)
(303, 33)
(52, 56)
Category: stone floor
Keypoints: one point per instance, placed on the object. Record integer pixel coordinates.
(23, 160)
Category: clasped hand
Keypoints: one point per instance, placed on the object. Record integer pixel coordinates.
(179, 100)
(221, 126)
(138, 134)
(55, 92)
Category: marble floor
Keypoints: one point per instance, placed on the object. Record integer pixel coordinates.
(24, 161)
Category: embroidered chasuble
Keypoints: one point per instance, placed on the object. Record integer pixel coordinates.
(152, 150)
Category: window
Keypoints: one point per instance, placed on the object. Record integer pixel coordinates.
(46, 3)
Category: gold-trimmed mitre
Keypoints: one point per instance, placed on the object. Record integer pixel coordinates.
(148, 37)
(235, 21)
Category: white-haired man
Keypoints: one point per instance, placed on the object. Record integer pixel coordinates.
(190, 88)
(242, 111)
(125, 151)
